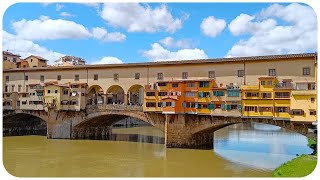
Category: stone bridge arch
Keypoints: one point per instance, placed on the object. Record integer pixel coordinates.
(24, 123)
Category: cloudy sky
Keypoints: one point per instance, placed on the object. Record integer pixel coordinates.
(132, 32)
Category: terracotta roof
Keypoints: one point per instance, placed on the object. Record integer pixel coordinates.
(38, 57)
(161, 63)
(10, 54)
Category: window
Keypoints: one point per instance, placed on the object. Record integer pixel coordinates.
(73, 102)
(191, 84)
(306, 71)
(95, 77)
(265, 109)
(7, 78)
(240, 73)
(24, 102)
(175, 85)
(252, 94)
(269, 83)
(218, 93)
(233, 93)
(250, 108)
(41, 78)
(150, 104)
(6, 88)
(12, 88)
(162, 93)
(204, 84)
(313, 112)
(150, 93)
(116, 77)
(76, 77)
(65, 92)
(59, 77)
(64, 102)
(19, 88)
(190, 94)
(26, 78)
(27, 88)
(204, 94)
(266, 95)
(48, 91)
(312, 100)
(211, 74)
(137, 76)
(39, 93)
(5, 58)
(282, 94)
(56, 91)
(162, 84)
(14, 60)
(272, 72)
(160, 76)
(31, 60)
(82, 94)
(184, 75)
(297, 112)
(282, 109)
(262, 83)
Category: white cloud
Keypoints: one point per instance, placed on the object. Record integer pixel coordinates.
(26, 48)
(108, 60)
(172, 43)
(141, 18)
(297, 35)
(45, 28)
(66, 15)
(212, 27)
(158, 53)
(243, 24)
(59, 7)
(102, 34)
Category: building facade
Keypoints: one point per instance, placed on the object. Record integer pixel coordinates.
(219, 87)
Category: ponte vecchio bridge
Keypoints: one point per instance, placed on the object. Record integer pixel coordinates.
(187, 100)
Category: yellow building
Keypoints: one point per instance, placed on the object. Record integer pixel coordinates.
(65, 96)
(268, 99)
(303, 100)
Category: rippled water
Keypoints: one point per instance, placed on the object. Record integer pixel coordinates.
(259, 146)
(38, 156)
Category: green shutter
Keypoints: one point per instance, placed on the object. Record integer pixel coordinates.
(228, 107)
(222, 106)
(215, 93)
(211, 106)
(239, 107)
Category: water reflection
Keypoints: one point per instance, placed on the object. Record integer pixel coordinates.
(259, 145)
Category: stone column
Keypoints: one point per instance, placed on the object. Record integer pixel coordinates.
(125, 99)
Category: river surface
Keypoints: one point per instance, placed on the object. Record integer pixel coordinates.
(241, 150)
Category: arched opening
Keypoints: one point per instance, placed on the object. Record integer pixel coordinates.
(118, 128)
(135, 95)
(95, 95)
(23, 124)
(115, 95)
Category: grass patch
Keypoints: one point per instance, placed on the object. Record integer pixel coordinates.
(297, 167)
(311, 141)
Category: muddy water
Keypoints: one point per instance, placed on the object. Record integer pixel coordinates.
(38, 156)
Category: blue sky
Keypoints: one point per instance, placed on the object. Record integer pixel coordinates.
(124, 33)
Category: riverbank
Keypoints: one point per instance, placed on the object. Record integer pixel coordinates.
(301, 166)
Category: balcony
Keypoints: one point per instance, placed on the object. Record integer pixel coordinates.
(249, 87)
(303, 92)
(283, 86)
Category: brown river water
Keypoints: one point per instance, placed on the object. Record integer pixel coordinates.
(242, 150)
